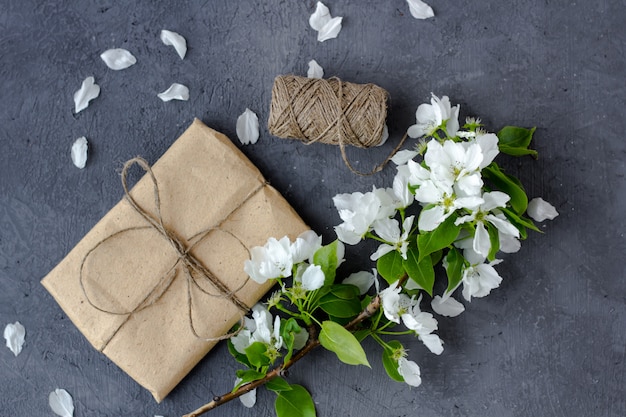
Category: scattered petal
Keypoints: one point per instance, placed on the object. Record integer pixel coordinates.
(448, 307)
(315, 70)
(79, 152)
(61, 403)
(320, 17)
(384, 136)
(175, 92)
(248, 127)
(363, 280)
(410, 371)
(330, 29)
(87, 92)
(177, 41)
(249, 398)
(118, 59)
(14, 334)
(419, 9)
(540, 210)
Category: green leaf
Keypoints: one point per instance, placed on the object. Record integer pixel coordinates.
(326, 258)
(390, 266)
(277, 385)
(509, 185)
(246, 376)
(515, 141)
(391, 365)
(454, 268)
(336, 338)
(436, 257)
(360, 335)
(256, 354)
(440, 238)
(287, 330)
(420, 271)
(239, 357)
(296, 402)
(494, 240)
(340, 307)
(520, 222)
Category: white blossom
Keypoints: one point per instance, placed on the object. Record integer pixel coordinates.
(273, 260)
(479, 280)
(540, 210)
(410, 371)
(305, 246)
(363, 280)
(403, 156)
(389, 230)
(444, 201)
(447, 306)
(456, 164)
(327, 27)
(88, 91)
(249, 398)
(311, 277)
(359, 211)
(430, 118)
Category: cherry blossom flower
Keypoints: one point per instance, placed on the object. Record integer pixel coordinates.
(430, 118)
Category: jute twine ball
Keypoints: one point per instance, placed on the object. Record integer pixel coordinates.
(329, 111)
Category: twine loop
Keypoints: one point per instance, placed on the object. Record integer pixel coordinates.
(191, 266)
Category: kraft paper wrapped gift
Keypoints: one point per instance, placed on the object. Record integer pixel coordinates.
(137, 296)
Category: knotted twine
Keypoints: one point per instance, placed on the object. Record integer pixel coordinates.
(330, 111)
(185, 261)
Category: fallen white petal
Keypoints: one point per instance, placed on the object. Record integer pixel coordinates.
(384, 136)
(118, 59)
(315, 70)
(79, 152)
(87, 92)
(540, 210)
(419, 9)
(248, 127)
(61, 403)
(14, 334)
(320, 17)
(448, 307)
(175, 92)
(330, 30)
(177, 41)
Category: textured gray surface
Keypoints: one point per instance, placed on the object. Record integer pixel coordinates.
(550, 341)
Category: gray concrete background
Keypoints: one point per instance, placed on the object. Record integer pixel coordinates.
(550, 341)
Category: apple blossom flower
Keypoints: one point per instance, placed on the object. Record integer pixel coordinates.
(430, 118)
(311, 277)
(305, 246)
(270, 261)
(491, 200)
(456, 164)
(389, 230)
(540, 210)
(359, 211)
(479, 280)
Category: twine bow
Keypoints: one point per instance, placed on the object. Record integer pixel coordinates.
(185, 260)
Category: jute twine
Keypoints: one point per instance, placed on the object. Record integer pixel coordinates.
(186, 262)
(329, 111)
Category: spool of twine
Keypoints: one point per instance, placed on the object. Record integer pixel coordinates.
(329, 111)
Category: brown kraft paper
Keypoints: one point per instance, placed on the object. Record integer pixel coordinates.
(124, 285)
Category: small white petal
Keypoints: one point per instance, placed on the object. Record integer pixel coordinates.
(87, 92)
(330, 29)
(448, 307)
(248, 127)
(61, 403)
(118, 59)
(320, 17)
(410, 371)
(432, 342)
(315, 70)
(175, 92)
(540, 210)
(419, 9)
(79, 152)
(363, 280)
(404, 156)
(14, 334)
(249, 398)
(177, 41)
(313, 278)
(481, 243)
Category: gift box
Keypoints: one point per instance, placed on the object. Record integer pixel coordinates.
(160, 278)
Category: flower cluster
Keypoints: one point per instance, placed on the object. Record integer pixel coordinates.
(451, 206)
